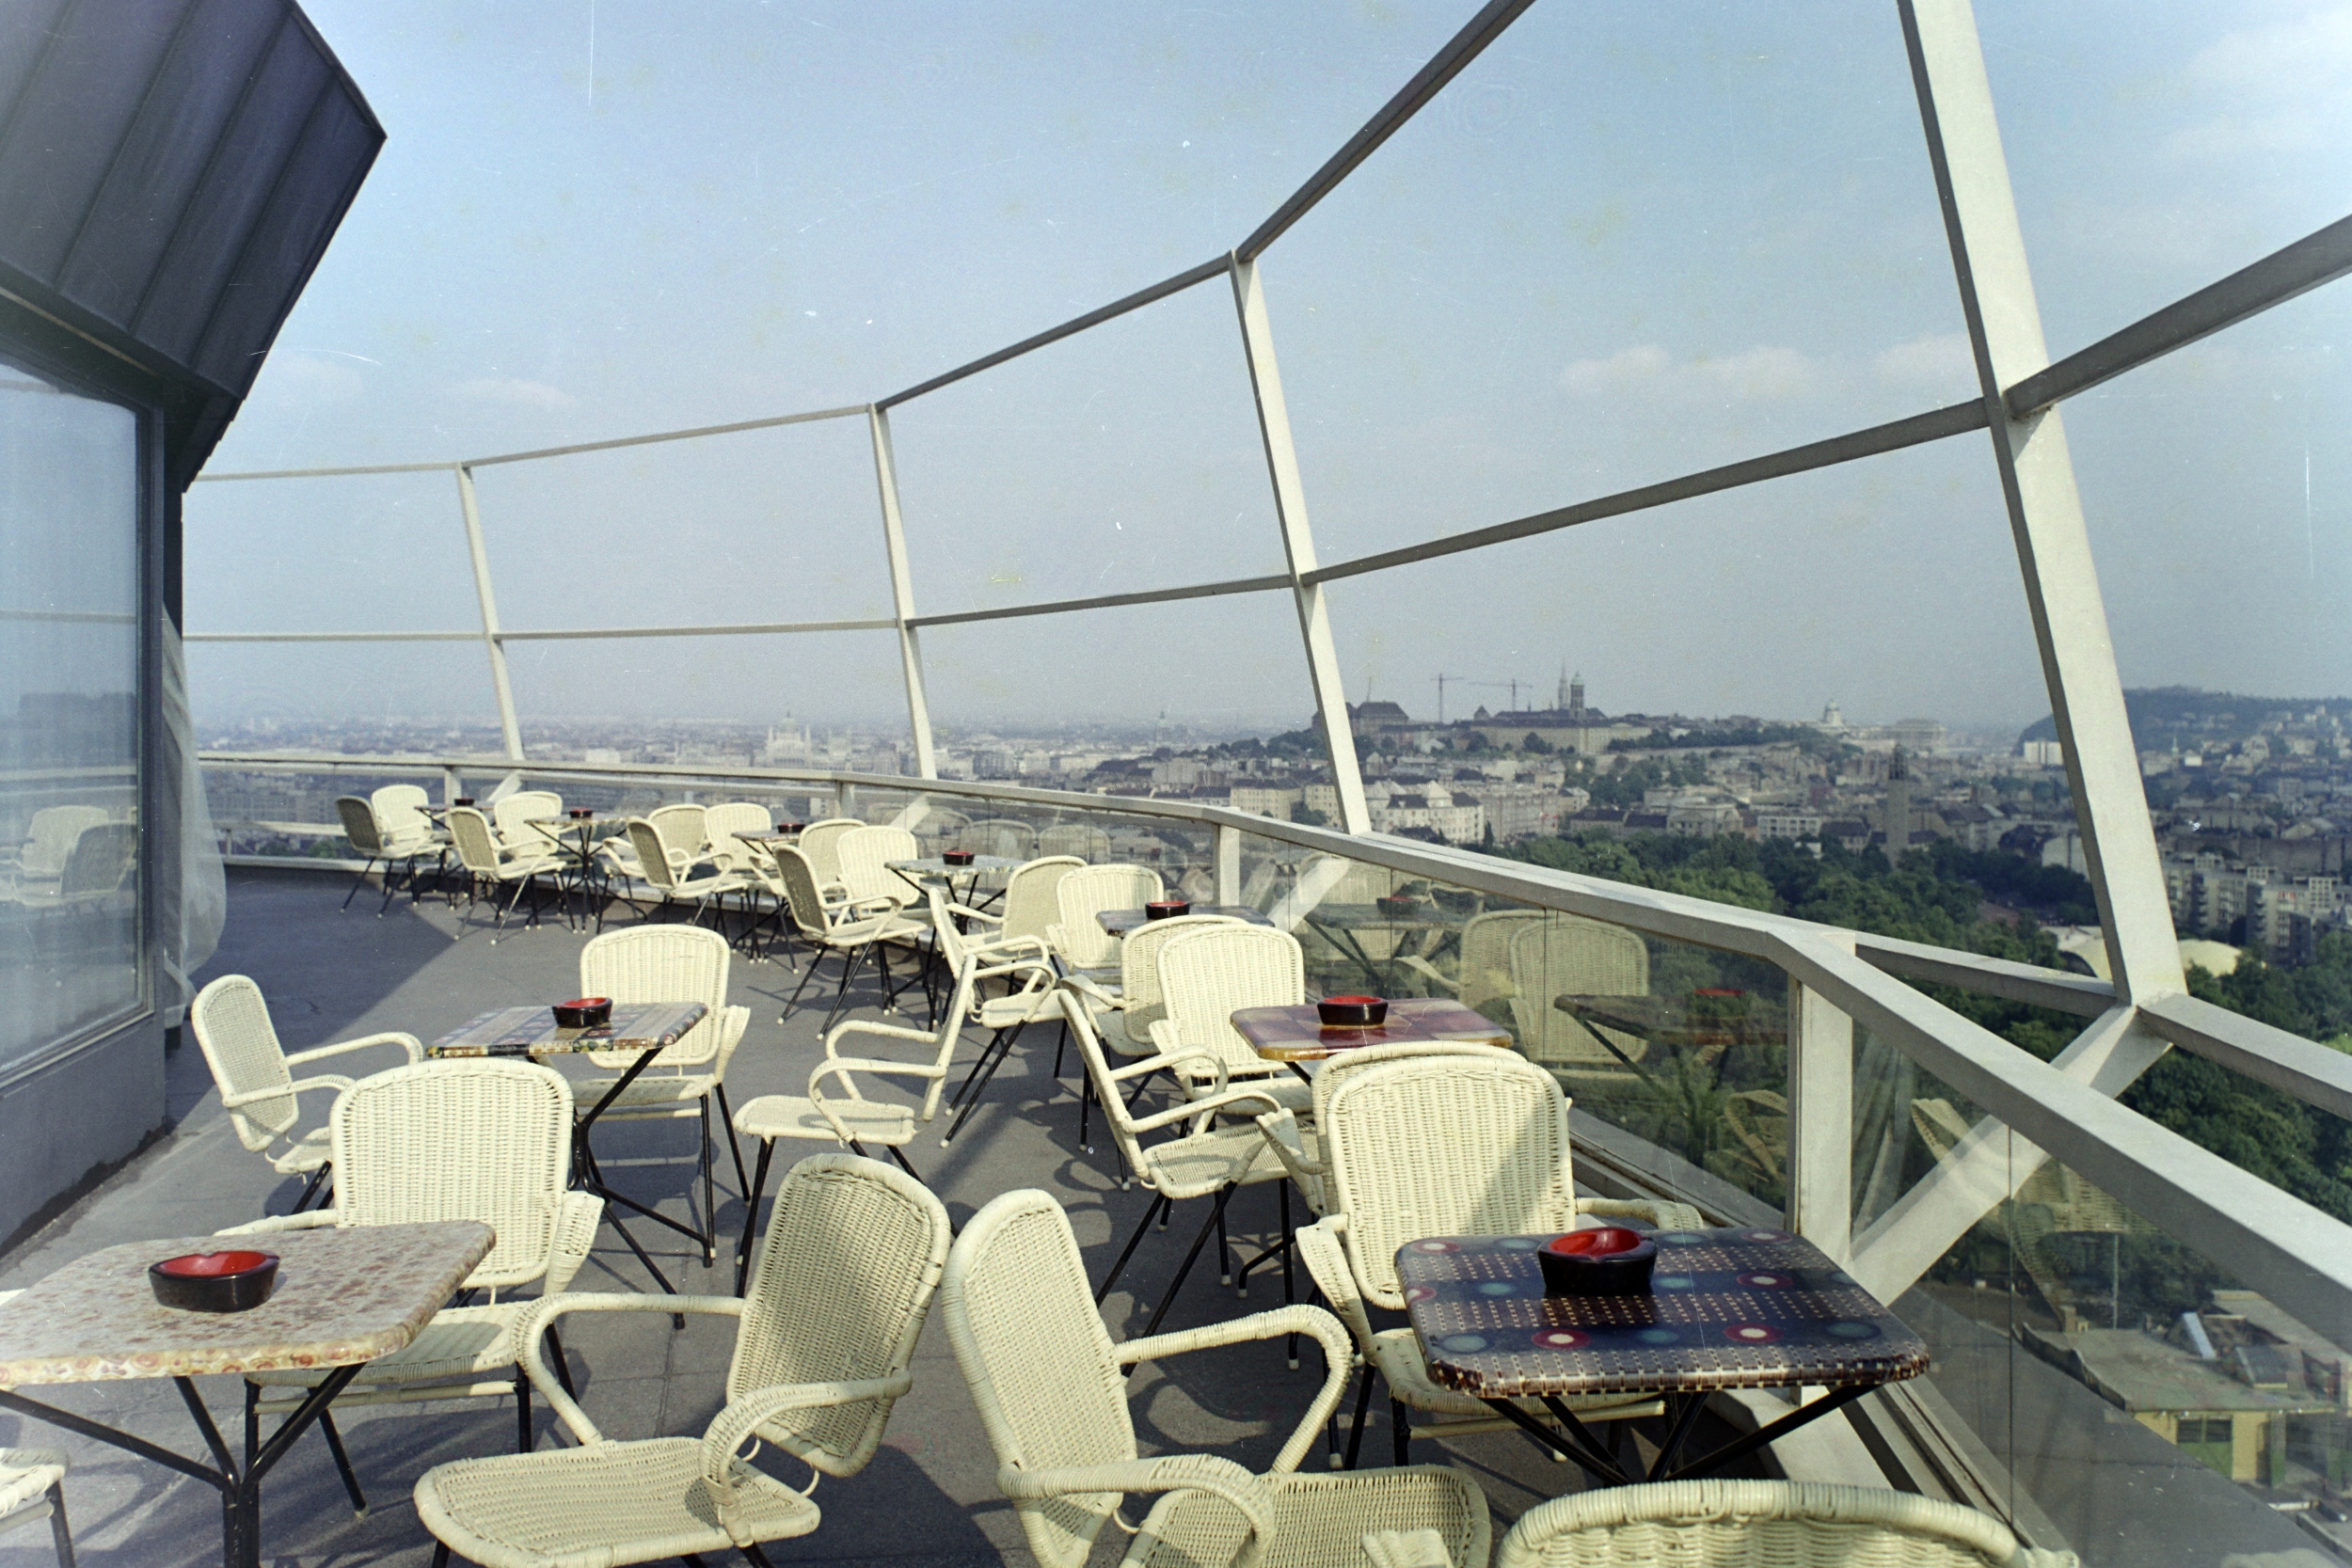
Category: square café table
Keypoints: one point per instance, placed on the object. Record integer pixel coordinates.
(644, 1027)
(1118, 922)
(1729, 1308)
(344, 1297)
(1298, 1037)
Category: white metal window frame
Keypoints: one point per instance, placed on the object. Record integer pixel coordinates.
(2272, 1240)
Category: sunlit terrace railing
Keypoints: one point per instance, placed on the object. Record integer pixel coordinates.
(2010, 1207)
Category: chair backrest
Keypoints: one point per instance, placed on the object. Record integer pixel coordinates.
(1567, 954)
(471, 1139)
(515, 815)
(1208, 971)
(684, 826)
(818, 841)
(240, 1045)
(844, 1276)
(801, 896)
(720, 823)
(102, 856)
(1085, 893)
(1082, 839)
(1460, 1145)
(1002, 835)
(1486, 949)
(1139, 969)
(1720, 1524)
(477, 846)
(359, 825)
(653, 857)
(1111, 1097)
(1040, 1365)
(396, 810)
(49, 838)
(865, 855)
(1033, 895)
(660, 963)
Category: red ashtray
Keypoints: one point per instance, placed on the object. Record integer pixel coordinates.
(1352, 1012)
(1397, 904)
(1167, 909)
(1610, 1260)
(583, 1012)
(580, 813)
(790, 826)
(215, 1281)
(959, 857)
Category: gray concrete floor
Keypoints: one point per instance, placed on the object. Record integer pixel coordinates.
(928, 1498)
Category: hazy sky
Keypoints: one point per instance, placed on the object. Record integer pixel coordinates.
(1632, 240)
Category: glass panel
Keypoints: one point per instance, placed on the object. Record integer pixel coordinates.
(1127, 458)
(2132, 1402)
(357, 552)
(69, 947)
(354, 698)
(1613, 250)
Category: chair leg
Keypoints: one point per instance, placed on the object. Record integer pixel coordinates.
(342, 1462)
(1364, 1407)
(979, 1089)
(1225, 1253)
(808, 974)
(899, 1155)
(522, 1410)
(849, 967)
(751, 1214)
(562, 1367)
(1400, 1431)
(1085, 1104)
(1129, 1250)
(310, 1186)
(753, 1555)
(711, 1192)
(60, 1535)
(440, 1554)
(735, 1147)
(1061, 1043)
(978, 1062)
(357, 883)
(1216, 1222)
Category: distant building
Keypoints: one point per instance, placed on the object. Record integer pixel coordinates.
(1455, 819)
(1789, 824)
(1847, 832)
(1703, 818)
(1274, 801)
(2043, 753)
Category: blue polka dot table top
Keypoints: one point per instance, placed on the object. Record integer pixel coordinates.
(1731, 1308)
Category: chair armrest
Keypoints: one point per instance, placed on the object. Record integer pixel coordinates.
(1174, 1058)
(1338, 1354)
(1180, 1472)
(1319, 1248)
(577, 1216)
(1664, 1215)
(842, 1066)
(875, 1027)
(1090, 994)
(407, 1042)
(536, 1321)
(732, 1021)
(742, 1418)
(1281, 1129)
(1202, 1109)
(300, 1085)
(1031, 967)
(316, 1219)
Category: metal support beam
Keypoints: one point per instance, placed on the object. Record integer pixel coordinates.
(2070, 619)
(1229, 882)
(1820, 1120)
(1298, 547)
(902, 594)
(492, 640)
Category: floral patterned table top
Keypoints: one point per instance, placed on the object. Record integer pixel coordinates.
(532, 1031)
(344, 1297)
(1733, 1309)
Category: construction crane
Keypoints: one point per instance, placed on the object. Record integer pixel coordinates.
(1444, 681)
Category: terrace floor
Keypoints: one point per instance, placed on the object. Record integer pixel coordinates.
(930, 1498)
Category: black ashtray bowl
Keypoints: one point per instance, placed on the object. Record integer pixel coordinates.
(1353, 1012)
(215, 1281)
(1611, 1260)
(1167, 909)
(583, 1012)
(462, 800)
(959, 857)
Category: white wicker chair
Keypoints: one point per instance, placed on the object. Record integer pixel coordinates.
(681, 830)
(835, 927)
(1082, 839)
(398, 810)
(1567, 954)
(720, 823)
(258, 1087)
(846, 1116)
(1445, 1141)
(1207, 1162)
(658, 868)
(49, 838)
(487, 860)
(1004, 1016)
(1003, 835)
(1205, 975)
(514, 815)
(32, 1488)
(1084, 893)
(1747, 1524)
(671, 963)
(819, 842)
(369, 837)
(467, 1139)
(1484, 974)
(1031, 906)
(826, 1339)
(97, 867)
(1052, 1392)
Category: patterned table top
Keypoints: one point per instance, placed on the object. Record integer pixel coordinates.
(532, 1031)
(1297, 1034)
(1735, 1308)
(1118, 922)
(344, 1297)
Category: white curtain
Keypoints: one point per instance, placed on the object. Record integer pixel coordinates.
(193, 931)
